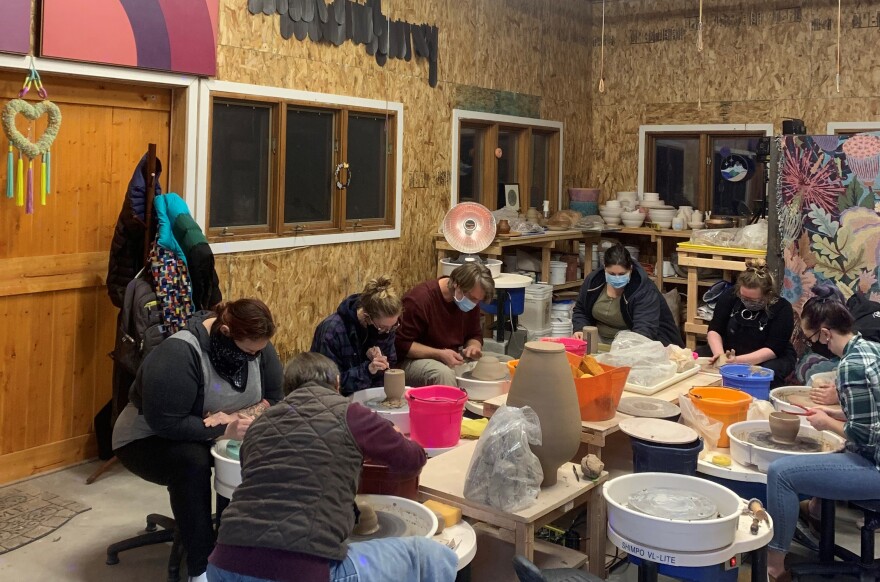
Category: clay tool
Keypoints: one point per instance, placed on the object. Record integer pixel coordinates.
(575, 471)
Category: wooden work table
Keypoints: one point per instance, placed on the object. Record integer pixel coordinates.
(443, 480)
(594, 432)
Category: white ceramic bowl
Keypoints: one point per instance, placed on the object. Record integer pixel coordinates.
(612, 220)
(612, 203)
(631, 214)
(696, 225)
(663, 223)
(651, 196)
(633, 223)
(778, 396)
(672, 534)
(607, 210)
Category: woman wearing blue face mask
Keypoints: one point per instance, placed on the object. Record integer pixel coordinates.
(440, 325)
(753, 324)
(622, 297)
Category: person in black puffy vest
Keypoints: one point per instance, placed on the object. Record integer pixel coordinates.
(300, 463)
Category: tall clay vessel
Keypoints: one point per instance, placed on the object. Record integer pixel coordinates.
(544, 382)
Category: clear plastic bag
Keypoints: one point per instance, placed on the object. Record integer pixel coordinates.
(649, 365)
(753, 236)
(504, 472)
(708, 428)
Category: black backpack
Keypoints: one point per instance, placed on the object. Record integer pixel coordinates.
(866, 314)
(141, 325)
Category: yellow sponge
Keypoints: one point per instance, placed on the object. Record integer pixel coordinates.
(720, 460)
(451, 515)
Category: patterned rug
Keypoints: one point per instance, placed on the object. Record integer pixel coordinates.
(28, 513)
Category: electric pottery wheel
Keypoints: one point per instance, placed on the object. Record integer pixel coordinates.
(752, 444)
(373, 399)
(397, 517)
(672, 512)
(481, 389)
(469, 228)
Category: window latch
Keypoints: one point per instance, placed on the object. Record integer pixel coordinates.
(297, 228)
(357, 224)
(225, 232)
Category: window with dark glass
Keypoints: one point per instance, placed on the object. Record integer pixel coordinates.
(368, 163)
(470, 163)
(308, 183)
(540, 169)
(281, 167)
(240, 165)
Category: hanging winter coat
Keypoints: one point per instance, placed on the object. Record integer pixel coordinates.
(127, 247)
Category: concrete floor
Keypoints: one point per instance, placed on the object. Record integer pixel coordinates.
(120, 502)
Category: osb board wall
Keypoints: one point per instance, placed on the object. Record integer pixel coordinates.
(535, 48)
(762, 61)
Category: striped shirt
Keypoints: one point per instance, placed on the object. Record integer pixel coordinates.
(858, 387)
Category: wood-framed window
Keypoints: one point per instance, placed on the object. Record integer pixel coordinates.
(684, 164)
(490, 151)
(850, 128)
(283, 167)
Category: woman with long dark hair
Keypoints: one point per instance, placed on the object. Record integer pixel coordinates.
(204, 382)
(853, 475)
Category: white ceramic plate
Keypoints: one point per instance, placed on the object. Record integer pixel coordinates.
(657, 430)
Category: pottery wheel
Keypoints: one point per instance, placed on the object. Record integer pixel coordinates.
(802, 444)
(680, 504)
(381, 403)
(390, 526)
(470, 376)
(646, 407)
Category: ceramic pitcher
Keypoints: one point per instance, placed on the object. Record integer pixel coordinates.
(544, 382)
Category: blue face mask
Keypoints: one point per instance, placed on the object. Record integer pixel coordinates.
(617, 281)
(464, 303)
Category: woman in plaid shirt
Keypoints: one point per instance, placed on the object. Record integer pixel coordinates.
(850, 475)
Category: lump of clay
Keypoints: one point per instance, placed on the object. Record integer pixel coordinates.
(368, 521)
(592, 466)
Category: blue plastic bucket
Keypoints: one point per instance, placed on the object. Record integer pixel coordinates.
(515, 304)
(740, 376)
(585, 208)
(656, 457)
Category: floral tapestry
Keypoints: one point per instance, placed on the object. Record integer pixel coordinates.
(829, 214)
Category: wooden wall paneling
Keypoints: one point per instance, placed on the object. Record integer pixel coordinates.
(175, 172)
(61, 385)
(17, 390)
(85, 355)
(39, 362)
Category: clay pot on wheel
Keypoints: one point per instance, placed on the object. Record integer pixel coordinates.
(489, 369)
(395, 384)
(503, 226)
(784, 427)
(544, 382)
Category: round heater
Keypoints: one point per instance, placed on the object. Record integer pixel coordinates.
(469, 228)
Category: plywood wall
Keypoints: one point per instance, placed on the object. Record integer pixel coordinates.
(537, 48)
(762, 61)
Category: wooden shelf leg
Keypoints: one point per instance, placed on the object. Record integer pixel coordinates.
(597, 520)
(525, 541)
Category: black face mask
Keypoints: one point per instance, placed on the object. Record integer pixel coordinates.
(230, 361)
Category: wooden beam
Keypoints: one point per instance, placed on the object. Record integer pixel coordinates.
(42, 274)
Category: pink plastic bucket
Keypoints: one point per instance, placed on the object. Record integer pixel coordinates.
(435, 415)
(572, 345)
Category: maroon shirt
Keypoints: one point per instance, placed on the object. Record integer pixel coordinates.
(377, 441)
(430, 320)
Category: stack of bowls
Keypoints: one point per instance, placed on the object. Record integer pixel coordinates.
(611, 212)
(628, 200)
(632, 219)
(662, 216)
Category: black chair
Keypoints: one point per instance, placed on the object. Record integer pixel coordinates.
(528, 572)
(864, 567)
(153, 535)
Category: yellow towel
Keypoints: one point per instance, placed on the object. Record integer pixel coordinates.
(472, 428)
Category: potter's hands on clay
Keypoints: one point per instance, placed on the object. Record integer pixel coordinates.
(578, 335)
(235, 430)
(823, 392)
(449, 357)
(378, 364)
(218, 418)
(728, 357)
(473, 351)
(373, 353)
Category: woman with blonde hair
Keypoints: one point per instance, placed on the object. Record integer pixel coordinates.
(752, 324)
(359, 337)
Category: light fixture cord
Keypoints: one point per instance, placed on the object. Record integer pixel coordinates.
(602, 57)
(837, 79)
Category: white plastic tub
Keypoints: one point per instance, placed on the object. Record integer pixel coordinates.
(746, 453)
(670, 534)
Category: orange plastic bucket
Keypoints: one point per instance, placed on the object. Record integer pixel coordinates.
(598, 396)
(726, 405)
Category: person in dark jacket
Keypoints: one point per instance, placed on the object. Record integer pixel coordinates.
(359, 337)
(753, 324)
(620, 297)
(300, 463)
(127, 246)
(204, 382)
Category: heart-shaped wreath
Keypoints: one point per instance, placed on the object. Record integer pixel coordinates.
(32, 112)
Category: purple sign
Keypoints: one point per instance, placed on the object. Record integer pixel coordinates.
(15, 27)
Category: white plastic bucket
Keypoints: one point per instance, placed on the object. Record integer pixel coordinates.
(557, 272)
